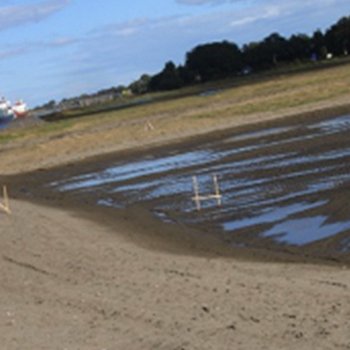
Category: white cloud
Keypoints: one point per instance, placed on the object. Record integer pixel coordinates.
(58, 42)
(137, 26)
(12, 16)
(123, 29)
(268, 13)
(35, 46)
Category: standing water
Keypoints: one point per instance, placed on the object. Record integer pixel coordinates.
(286, 185)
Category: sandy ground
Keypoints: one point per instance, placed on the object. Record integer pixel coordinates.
(68, 283)
(71, 283)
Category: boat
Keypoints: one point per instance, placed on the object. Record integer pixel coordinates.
(19, 109)
(6, 113)
(10, 112)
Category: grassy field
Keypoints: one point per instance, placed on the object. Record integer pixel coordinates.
(225, 100)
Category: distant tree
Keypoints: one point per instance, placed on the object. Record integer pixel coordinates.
(337, 37)
(48, 105)
(276, 48)
(186, 75)
(299, 47)
(120, 88)
(215, 60)
(267, 53)
(112, 90)
(168, 79)
(141, 85)
(251, 55)
(318, 44)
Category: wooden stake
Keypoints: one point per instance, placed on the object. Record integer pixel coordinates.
(217, 189)
(6, 205)
(198, 198)
(149, 126)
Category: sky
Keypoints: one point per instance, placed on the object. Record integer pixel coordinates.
(55, 49)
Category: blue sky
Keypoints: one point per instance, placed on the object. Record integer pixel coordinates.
(51, 49)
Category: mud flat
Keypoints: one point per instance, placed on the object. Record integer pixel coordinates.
(284, 183)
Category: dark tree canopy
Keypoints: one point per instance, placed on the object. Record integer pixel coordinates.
(140, 86)
(168, 79)
(267, 53)
(318, 44)
(214, 60)
(337, 37)
(218, 60)
(299, 47)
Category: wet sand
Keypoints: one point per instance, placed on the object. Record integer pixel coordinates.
(306, 178)
(71, 283)
(76, 277)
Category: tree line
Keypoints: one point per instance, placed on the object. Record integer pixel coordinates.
(218, 60)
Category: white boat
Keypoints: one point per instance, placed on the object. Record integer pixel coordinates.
(19, 109)
(9, 112)
(6, 112)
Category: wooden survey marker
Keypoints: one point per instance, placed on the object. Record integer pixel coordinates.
(197, 198)
(5, 205)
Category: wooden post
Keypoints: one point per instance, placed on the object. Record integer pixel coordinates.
(5, 206)
(217, 189)
(196, 193)
(149, 126)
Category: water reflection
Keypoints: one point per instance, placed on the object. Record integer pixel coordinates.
(271, 215)
(305, 230)
(268, 177)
